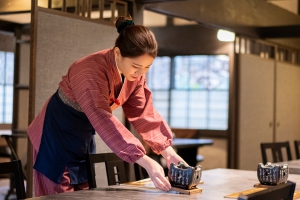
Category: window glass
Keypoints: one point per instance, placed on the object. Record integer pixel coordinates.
(218, 109)
(1, 103)
(199, 72)
(9, 69)
(182, 74)
(2, 65)
(159, 76)
(199, 96)
(219, 72)
(179, 109)
(8, 102)
(161, 102)
(198, 109)
(6, 86)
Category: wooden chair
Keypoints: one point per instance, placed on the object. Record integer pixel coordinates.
(13, 156)
(278, 192)
(13, 153)
(276, 148)
(115, 169)
(297, 148)
(15, 167)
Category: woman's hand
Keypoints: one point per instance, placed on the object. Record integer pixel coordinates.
(155, 172)
(172, 157)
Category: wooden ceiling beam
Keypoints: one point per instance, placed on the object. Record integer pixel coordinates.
(11, 27)
(242, 17)
(7, 26)
(154, 1)
(279, 32)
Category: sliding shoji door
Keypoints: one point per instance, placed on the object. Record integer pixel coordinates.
(287, 103)
(255, 109)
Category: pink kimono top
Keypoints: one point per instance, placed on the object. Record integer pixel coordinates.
(95, 84)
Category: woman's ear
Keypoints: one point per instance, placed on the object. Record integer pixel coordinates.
(117, 52)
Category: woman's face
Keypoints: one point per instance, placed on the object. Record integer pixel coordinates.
(133, 68)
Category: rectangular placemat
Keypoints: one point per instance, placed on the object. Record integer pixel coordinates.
(245, 192)
(253, 190)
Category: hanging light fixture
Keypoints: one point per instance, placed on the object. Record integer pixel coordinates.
(225, 36)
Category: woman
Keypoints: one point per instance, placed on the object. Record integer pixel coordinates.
(63, 132)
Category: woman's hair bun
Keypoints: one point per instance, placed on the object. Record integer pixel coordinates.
(134, 40)
(123, 22)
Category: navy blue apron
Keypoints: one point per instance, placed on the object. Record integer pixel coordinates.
(67, 138)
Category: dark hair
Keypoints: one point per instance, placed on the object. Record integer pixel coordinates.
(134, 40)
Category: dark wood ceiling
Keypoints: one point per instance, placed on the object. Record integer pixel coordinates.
(233, 14)
(254, 18)
(155, 1)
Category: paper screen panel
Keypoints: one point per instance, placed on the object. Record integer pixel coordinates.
(256, 101)
(60, 42)
(288, 103)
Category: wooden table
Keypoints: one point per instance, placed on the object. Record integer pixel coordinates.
(187, 148)
(294, 166)
(182, 143)
(217, 184)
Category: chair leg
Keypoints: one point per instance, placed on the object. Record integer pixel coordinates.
(9, 192)
(11, 188)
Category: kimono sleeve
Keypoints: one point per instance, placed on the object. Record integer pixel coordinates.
(149, 124)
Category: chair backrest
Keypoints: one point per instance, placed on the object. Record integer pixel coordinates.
(276, 148)
(15, 167)
(278, 192)
(115, 168)
(297, 148)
